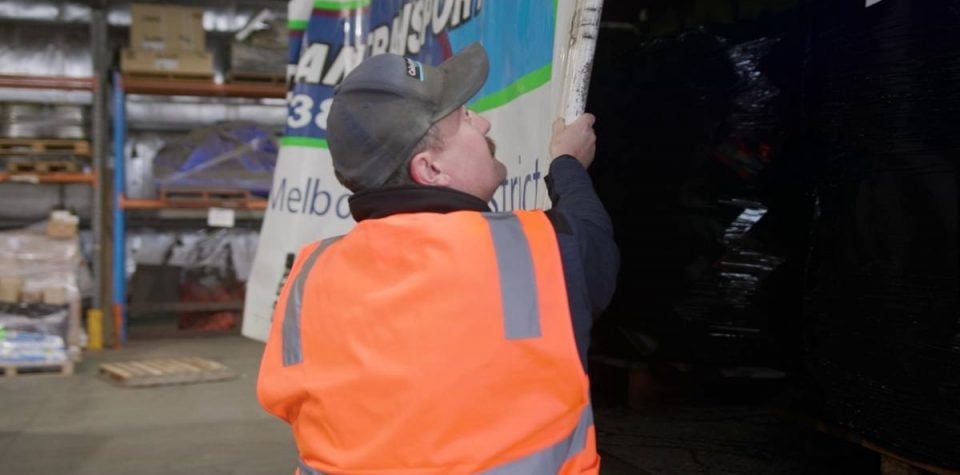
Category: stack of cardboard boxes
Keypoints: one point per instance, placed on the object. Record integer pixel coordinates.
(167, 41)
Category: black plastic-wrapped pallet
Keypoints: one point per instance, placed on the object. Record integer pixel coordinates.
(690, 127)
(882, 89)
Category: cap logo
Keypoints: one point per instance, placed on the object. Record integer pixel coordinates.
(414, 69)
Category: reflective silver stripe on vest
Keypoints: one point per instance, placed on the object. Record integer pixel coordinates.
(518, 284)
(546, 461)
(307, 470)
(550, 459)
(292, 351)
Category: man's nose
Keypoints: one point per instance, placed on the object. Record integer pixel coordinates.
(483, 124)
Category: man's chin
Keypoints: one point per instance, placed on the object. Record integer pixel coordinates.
(501, 169)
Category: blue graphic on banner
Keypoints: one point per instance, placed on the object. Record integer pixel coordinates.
(518, 37)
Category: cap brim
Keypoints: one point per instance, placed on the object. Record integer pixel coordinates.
(463, 75)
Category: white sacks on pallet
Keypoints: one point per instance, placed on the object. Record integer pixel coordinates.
(528, 44)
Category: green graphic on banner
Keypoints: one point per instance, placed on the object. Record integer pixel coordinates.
(522, 86)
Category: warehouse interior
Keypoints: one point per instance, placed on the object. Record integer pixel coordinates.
(781, 176)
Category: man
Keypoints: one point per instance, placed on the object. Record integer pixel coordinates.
(438, 337)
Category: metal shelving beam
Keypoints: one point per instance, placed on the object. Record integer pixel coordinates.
(48, 82)
(135, 203)
(53, 178)
(167, 87)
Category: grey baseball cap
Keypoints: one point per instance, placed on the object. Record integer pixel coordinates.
(387, 104)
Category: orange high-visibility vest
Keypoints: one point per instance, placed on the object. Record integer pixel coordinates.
(430, 343)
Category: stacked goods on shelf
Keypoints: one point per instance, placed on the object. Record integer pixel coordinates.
(62, 225)
(230, 156)
(44, 138)
(38, 121)
(32, 333)
(39, 294)
(199, 275)
(213, 275)
(166, 41)
(259, 50)
(884, 343)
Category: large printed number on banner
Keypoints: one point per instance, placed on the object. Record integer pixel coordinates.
(310, 70)
(301, 111)
(323, 113)
(301, 107)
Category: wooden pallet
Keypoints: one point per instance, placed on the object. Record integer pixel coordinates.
(199, 198)
(169, 76)
(197, 194)
(42, 166)
(891, 463)
(11, 370)
(256, 78)
(44, 147)
(165, 371)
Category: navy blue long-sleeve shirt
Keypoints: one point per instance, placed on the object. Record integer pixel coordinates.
(585, 235)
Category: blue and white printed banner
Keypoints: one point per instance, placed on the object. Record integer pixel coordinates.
(527, 42)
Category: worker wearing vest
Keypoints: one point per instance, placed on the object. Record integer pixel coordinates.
(438, 337)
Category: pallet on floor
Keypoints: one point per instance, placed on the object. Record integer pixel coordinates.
(10, 146)
(891, 463)
(256, 78)
(165, 371)
(11, 370)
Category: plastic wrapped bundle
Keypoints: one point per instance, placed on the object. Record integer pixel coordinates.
(684, 181)
(44, 121)
(197, 267)
(723, 301)
(35, 268)
(211, 275)
(234, 156)
(260, 48)
(881, 87)
(33, 333)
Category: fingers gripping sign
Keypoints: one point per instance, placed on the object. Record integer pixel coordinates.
(576, 139)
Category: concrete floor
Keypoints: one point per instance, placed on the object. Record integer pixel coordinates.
(85, 425)
(82, 424)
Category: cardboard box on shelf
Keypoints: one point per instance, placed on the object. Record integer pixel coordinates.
(55, 295)
(62, 224)
(166, 28)
(183, 63)
(31, 296)
(10, 288)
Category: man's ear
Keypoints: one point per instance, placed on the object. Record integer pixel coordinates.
(425, 169)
